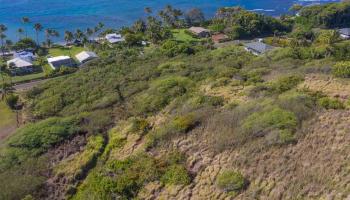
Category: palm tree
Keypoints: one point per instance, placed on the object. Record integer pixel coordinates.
(25, 20)
(3, 28)
(50, 33)
(89, 32)
(68, 36)
(79, 34)
(38, 28)
(148, 10)
(20, 32)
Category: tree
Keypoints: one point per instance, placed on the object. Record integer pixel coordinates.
(25, 43)
(89, 32)
(38, 28)
(79, 34)
(148, 10)
(3, 29)
(194, 17)
(50, 33)
(295, 8)
(170, 16)
(25, 21)
(68, 36)
(139, 26)
(20, 32)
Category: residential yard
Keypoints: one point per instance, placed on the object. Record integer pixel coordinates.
(65, 51)
(182, 36)
(7, 120)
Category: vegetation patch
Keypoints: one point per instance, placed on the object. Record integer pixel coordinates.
(231, 181)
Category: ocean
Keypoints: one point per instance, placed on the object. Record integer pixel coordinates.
(70, 15)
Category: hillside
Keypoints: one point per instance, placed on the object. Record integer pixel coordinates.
(178, 120)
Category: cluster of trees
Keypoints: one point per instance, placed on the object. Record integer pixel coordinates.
(331, 15)
(240, 23)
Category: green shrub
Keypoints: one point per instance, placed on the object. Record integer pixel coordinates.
(284, 84)
(176, 175)
(275, 118)
(231, 181)
(172, 48)
(121, 179)
(184, 123)
(342, 69)
(160, 94)
(39, 137)
(329, 103)
(140, 126)
(11, 100)
(301, 104)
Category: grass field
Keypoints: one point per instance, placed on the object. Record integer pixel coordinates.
(65, 51)
(182, 36)
(7, 117)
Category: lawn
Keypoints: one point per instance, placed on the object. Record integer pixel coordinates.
(28, 77)
(182, 36)
(65, 51)
(7, 117)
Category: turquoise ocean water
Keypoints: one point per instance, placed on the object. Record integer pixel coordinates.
(72, 14)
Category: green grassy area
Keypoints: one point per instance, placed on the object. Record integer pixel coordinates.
(65, 51)
(7, 117)
(28, 77)
(181, 36)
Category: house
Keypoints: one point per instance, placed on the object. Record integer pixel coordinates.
(59, 61)
(258, 48)
(85, 56)
(20, 65)
(27, 55)
(199, 31)
(219, 38)
(114, 38)
(344, 33)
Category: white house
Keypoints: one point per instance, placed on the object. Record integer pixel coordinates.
(114, 38)
(59, 61)
(20, 64)
(85, 56)
(344, 33)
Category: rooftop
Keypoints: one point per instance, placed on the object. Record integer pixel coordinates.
(344, 31)
(58, 58)
(85, 55)
(259, 47)
(198, 29)
(20, 62)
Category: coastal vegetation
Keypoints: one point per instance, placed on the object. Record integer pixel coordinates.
(180, 117)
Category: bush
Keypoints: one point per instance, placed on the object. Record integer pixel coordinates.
(329, 103)
(176, 175)
(342, 69)
(231, 181)
(275, 118)
(39, 137)
(11, 101)
(172, 48)
(184, 123)
(284, 84)
(160, 94)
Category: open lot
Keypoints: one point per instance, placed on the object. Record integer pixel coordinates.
(7, 121)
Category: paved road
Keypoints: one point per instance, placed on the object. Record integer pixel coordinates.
(29, 85)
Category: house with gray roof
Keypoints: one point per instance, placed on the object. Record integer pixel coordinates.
(60, 61)
(85, 56)
(344, 33)
(20, 65)
(258, 48)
